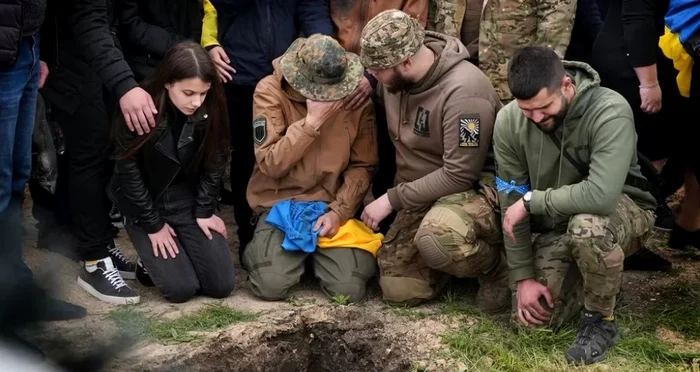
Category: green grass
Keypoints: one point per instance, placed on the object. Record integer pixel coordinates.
(488, 344)
(136, 324)
(341, 300)
(680, 310)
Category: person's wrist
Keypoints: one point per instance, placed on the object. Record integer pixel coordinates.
(526, 200)
(649, 84)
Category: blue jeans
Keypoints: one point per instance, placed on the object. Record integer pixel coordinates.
(19, 86)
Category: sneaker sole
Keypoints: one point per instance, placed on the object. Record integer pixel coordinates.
(128, 275)
(109, 299)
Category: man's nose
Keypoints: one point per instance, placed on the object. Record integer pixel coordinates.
(537, 117)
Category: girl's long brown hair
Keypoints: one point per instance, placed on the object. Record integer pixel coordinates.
(186, 60)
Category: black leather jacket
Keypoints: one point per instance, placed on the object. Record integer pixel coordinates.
(139, 181)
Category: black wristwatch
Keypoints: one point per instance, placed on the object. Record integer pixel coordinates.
(526, 200)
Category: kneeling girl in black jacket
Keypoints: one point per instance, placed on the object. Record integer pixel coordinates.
(166, 183)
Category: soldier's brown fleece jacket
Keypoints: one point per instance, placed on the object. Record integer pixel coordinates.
(441, 127)
(295, 161)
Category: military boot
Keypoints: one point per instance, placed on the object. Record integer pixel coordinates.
(596, 336)
(494, 294)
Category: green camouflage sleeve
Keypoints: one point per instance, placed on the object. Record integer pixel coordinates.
(555, 21)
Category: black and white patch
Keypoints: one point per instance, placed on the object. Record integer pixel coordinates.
(421, 127)
(259, 130)
(469, 130)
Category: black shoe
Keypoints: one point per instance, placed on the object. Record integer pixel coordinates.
(126, 268)
(664, 218)
(106, 284)
(55, 309)
(594, 339)
(681, 238)
(142, 275)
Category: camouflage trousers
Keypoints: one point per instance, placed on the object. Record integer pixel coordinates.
(583, 266)
(503, 30)
(446, 16)
(459, 235)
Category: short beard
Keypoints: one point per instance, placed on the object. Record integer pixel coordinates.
(558, 118)
(398, 84)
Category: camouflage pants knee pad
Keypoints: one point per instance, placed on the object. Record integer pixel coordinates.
(448, 240)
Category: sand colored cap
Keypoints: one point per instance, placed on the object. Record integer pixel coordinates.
(389, 39)
(320, 69)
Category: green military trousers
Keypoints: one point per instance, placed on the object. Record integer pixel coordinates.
(583, 266)
(272, 271)
(459, 235)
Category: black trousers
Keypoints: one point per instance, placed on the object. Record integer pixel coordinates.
(88, 146)
(239, 100)
(685, 154)
(202, 266)
(386, 172)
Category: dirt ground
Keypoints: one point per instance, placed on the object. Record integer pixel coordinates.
(288, 335)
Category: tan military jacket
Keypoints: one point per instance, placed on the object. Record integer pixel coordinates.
(295, 161)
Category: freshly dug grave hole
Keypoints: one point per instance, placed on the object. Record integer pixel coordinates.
(315, 340)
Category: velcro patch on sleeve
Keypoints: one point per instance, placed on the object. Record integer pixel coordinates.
(469, 130)
(259, 130)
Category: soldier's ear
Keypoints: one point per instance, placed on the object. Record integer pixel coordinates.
(407, 64)
(566, 81)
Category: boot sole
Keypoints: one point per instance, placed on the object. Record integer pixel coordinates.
(596, 359)
(430, 250)
(106, 298)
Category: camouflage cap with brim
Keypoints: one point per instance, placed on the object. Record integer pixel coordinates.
(320, 69)
(389, 39)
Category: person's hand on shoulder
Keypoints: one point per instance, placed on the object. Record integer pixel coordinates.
(139, 110)
(222, 63)
(359, 96)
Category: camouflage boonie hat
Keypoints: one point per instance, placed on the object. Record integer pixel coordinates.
(389, 39)
(320, 69)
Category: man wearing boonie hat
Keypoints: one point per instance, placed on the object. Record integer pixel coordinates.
(308, 149)
(440, 112)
